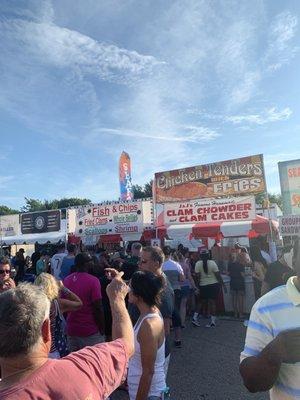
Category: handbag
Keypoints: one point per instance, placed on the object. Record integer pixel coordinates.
(59, 332)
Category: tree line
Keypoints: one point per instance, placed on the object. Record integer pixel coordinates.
(139, 191)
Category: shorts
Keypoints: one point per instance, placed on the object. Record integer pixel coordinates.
(76, 343)
(210, 292)
(237, 285)
(185, 292)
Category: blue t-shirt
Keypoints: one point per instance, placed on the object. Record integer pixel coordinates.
(66, 266)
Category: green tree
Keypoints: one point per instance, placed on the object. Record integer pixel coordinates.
(32, 205)
(56, 204)
(4, 210)
(274, 198)
(141, 192)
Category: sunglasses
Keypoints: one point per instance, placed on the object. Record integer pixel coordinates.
(4, 271)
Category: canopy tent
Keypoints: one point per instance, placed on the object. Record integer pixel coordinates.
(252, 228)
(45, 237)
(146, 235)
(52, 237)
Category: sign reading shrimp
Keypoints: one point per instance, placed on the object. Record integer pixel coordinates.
(210, 210)
(242, 176)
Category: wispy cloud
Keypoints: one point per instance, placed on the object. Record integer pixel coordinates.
(266, 116)
(270, 115)
(193, 134)
(4, 180)
(64, 48)
(281, 48)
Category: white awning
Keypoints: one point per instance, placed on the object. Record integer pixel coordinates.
(180, 231)
(52, 237)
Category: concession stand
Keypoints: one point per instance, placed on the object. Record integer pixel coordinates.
(213, 204)
(111, 224)
(32, 230)
(228, 221)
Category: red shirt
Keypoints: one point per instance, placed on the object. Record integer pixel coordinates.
(87, 287)
(92, 373)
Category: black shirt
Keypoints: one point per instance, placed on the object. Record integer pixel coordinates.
(277, 274)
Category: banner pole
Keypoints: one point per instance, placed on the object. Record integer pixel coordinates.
(266, 194)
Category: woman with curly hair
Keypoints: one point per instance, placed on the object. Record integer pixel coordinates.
(70, 302)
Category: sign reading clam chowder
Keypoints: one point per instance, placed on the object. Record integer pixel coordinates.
(210, 210)
(114, 218)
(289, 225)
(289, 172)
(241, 176)
(9, 225)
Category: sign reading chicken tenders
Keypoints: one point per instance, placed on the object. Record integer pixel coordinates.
(242, 176)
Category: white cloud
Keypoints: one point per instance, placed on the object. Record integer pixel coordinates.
(4, 180)
(64, 48)
(190, 133)
(269, 115)
(281, 49)
(245, 90)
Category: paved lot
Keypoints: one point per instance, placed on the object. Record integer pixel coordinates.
(206, 368)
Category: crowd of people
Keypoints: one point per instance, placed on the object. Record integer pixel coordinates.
(100, 317)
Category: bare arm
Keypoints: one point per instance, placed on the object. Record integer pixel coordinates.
(66, 305)
(71, 302)
(220, 280)
(191, 279)
(260, 372)
(148, 343)
(121, 322)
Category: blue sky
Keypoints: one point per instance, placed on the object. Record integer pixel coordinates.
(173, 83)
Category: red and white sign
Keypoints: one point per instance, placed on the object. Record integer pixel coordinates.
(289, 225)
(113, 218)
(210, 210)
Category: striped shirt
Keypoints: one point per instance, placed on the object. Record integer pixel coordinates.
(277, 311)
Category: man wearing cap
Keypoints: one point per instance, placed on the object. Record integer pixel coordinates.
(271, 356)
(85, 326)
(278, 272)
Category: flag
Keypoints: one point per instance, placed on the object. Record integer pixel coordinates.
(126, 192)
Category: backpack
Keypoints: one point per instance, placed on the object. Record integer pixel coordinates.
(60, 338)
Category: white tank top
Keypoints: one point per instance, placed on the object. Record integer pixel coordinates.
(158, 383)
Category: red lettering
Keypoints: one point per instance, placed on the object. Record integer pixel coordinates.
(171, 213)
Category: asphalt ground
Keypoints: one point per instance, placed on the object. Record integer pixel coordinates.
(206, 367)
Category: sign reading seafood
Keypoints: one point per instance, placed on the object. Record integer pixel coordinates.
(116, 217)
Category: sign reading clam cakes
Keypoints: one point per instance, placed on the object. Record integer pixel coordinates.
(241, 176)
(210, 210)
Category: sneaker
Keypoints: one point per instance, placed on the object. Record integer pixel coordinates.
(177, 344)
(195, 323)
(210, 325)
